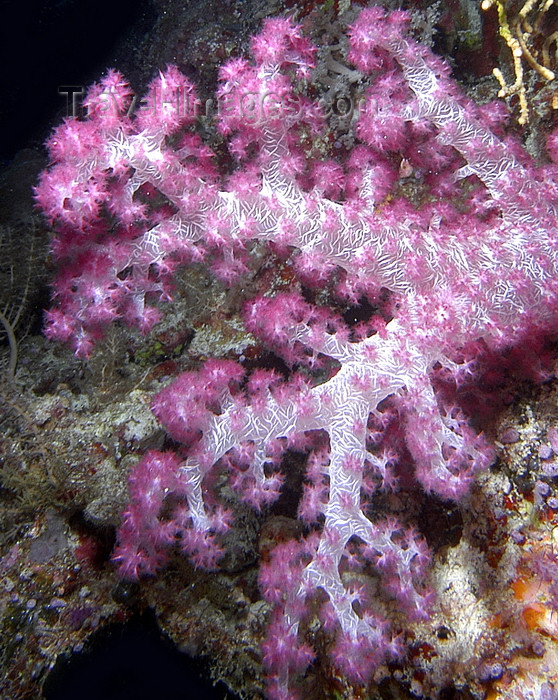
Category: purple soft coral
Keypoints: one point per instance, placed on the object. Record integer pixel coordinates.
(473, 267)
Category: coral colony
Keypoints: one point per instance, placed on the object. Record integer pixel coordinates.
(134, 195)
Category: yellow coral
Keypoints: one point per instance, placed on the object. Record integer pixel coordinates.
(521, 33)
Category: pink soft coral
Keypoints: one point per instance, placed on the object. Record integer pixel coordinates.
(467, 272)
